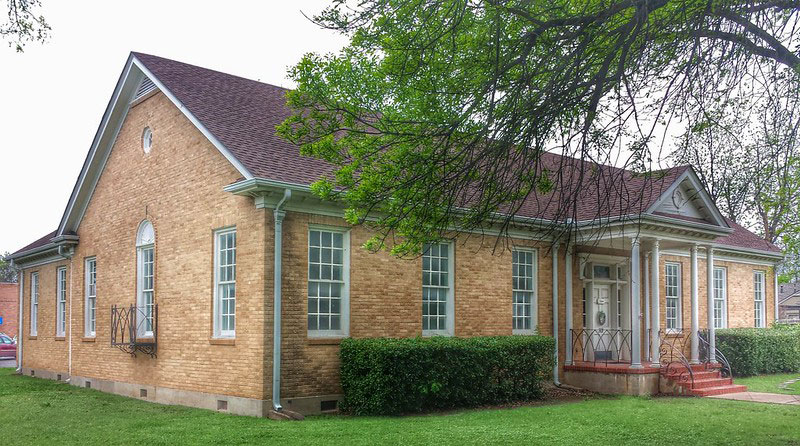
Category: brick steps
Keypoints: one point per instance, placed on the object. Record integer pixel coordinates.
(708, 381)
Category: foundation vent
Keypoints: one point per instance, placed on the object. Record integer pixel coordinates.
(33, 372)
(88, 384)
(143, 393)
(58, 377)
(328, 406)
(222, 405)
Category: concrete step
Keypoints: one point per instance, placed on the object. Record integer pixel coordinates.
(698, 375)
(721, 390)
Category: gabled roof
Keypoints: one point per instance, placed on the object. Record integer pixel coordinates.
(239, 116)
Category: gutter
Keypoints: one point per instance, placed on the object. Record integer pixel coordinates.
(278, 213)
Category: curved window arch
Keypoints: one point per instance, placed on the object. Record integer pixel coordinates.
(145, 278)
(147, 139)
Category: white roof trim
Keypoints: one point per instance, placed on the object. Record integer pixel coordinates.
(110, 125)
(701, 192)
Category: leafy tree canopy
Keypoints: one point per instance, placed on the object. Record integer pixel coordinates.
(436, 106)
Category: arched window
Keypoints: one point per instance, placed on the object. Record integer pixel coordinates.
(145, 274)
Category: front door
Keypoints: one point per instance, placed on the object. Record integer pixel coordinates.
(601, 321)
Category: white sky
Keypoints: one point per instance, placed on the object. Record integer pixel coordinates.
(52, 96)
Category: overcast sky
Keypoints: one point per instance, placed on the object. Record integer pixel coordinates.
(53, 95)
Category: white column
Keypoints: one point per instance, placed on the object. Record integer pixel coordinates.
(636, 323)
(775, 292)
(712, 354)
(647, 356)
(655, 312)
(555, 311)
(568, 305)
(695, 351)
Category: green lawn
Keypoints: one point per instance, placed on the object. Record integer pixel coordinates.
(771, 383)
(36, 411)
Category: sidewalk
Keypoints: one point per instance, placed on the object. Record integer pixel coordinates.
(758, 397)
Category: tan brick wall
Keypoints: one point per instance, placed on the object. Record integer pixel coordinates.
(178, 187)
(44, 350)
(385, 299)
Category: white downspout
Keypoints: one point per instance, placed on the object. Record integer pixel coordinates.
(775, 292)
(555, 313)
(278, 213)
(68, 255)
(20, 327)
(69, 339)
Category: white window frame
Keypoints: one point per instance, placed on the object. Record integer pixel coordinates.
(61, 301)
(678, 297)
(759, 299)
(344, 308)
(450, 302)
(723, 292)
(218, 314)
(534, 313)
(90, 301)
(34, 303)
(142, 246)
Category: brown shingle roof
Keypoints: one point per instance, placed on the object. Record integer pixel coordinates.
(243, 114)
(37, 244)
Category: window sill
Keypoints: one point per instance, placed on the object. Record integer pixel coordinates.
(88, 339)
(222, 341)
(60, 338)
(325, 341)
(32, 338)
(674, 333)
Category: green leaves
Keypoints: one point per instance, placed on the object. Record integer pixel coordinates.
(396, 376)
(754, 351)
(438, 112)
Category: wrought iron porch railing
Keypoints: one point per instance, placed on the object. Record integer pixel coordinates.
(674, 364)
(725, 371)
(605, 346)
(135, 329)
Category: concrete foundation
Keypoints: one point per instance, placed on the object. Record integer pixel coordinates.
(639, 384)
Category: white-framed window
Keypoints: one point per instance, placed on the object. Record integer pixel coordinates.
(437, 289)
(672, 277)
(90, 306)
(524, 301)
(225, 283)
(720, 297)
(758, 299)
(147, 140)
(61, 301)
(328, 282)
(145, 275)
(34, 303)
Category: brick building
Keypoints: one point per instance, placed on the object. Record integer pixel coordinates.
(9, 308)
(192, 222)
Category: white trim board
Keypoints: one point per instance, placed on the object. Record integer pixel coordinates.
(110, 125)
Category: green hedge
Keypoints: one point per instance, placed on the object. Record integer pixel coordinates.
(754, 351)
(396, 376)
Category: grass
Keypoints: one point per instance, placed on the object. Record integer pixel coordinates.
(36, 411)
(771, 383)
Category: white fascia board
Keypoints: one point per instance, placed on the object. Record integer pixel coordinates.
(193, 119)
(113, 103)
(110, 125)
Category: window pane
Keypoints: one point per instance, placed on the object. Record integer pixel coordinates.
(436, 286)
(522, 281)
(326, 279)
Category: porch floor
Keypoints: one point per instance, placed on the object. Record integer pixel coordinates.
(612, 367)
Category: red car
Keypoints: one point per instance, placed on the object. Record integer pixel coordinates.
(8, 348)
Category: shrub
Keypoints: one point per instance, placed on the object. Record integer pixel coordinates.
(396, 376)
(753, 351)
